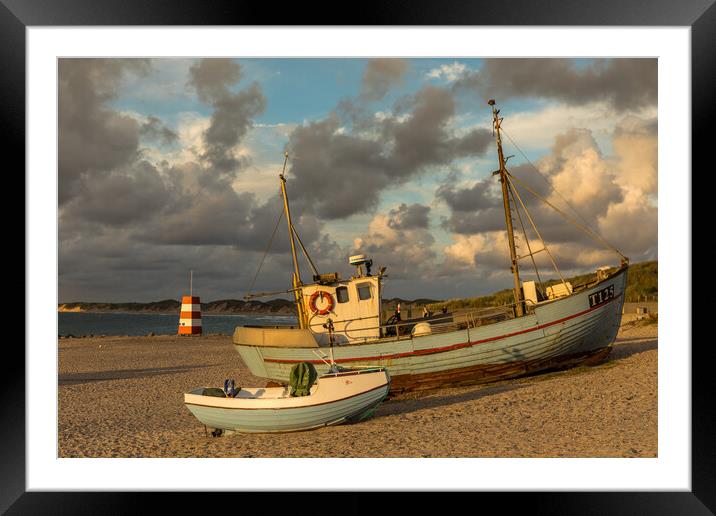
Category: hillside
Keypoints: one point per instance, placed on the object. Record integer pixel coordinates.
(224, 306)
(392, 303)
(642, 283)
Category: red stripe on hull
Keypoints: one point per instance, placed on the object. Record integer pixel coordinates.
(285, 408)
(452, 347)
(494, 372)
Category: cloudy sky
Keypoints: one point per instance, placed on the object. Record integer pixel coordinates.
(167, 165)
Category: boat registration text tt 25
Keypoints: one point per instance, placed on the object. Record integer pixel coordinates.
(602, 296)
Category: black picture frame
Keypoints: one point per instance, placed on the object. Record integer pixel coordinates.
(700, 15)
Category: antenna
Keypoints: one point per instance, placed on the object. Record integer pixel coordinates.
(191, 282)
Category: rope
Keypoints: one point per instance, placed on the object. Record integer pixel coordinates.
(264, 294)
(268, 247)
(534, 226)
(527, 240)
(587, 230)
(305, 253)
(292, 232)
(547, 181)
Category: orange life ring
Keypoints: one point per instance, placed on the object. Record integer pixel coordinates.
(322, 294)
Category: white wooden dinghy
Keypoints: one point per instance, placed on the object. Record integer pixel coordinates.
(336, 397)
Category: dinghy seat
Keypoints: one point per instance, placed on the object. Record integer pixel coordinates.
(303, 376)
(213, 391)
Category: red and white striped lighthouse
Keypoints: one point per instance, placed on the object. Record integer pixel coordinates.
(190, 316)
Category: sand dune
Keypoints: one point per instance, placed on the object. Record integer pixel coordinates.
(123, 397)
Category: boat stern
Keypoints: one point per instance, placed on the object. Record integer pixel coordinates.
(250, 341)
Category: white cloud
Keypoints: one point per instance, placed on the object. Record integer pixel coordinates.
(190, 131)
(637, 153)
(406, 252)
(486, 252)
(616, 194)
(449, 72)
(261, 180)
(465, 248)
(538, 129)
(381, 116)
(583, 176)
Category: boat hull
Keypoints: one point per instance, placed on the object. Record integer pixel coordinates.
(560, 333)
(346, 397)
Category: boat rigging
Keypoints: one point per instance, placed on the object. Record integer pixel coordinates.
(496, 122)
(563, 324)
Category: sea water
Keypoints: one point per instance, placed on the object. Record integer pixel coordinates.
(81, 324)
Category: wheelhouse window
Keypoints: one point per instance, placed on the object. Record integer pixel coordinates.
(363, 291)
(342, 294)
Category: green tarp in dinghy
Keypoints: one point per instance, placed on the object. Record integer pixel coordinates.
(303, 376)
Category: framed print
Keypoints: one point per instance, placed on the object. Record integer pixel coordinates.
(198, 154)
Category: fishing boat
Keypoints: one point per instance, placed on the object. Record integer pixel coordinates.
(339, 396)
(545, 327)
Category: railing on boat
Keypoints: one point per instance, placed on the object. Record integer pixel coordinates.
(466, 319)
(442, 323)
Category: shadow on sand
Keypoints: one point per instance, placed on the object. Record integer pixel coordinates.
(121, 374)
(405, 403)
(419, 401)
(627, 347)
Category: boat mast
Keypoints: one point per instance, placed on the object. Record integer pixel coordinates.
(296, 272)
(496, 121)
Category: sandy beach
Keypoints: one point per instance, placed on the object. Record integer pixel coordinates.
(123, 397)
